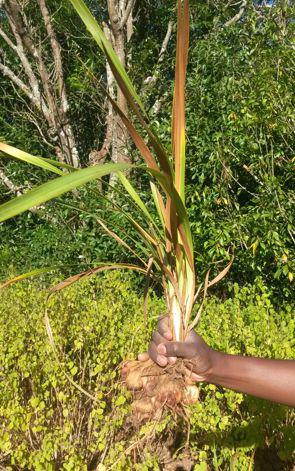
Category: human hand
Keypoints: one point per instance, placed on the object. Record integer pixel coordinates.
(198, 357)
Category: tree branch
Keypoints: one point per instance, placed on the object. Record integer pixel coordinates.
(98, 156)
(7, 72)
(127, 13)
(152, 79)
(166, 41)
(238, 16)
(47, 94)
(113, 16)
(9, 184)
(19, 31)
(56, 52)
(8, 41)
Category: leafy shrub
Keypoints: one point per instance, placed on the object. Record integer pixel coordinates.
(48, 424)
(240, 159)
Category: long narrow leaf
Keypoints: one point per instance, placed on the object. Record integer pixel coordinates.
(99, 36)
(56, 354)
(178, 114)
(159, 203)
(184, 226)
(100, 220)
(146, 289)
(159, 150)
(56, 163)
(25, 276)
(93, 271)
(55, 188)
(200, 310)
(221, 274)
(135, 196)
(30, 159)
(136, 137)
(118, 238)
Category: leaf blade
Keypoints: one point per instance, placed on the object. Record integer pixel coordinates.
(178, 113)
(99, 36)
(93, 271)
(30, 159)
(55, 188)
(24, 276)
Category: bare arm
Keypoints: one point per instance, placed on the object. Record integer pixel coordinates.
(269, 379)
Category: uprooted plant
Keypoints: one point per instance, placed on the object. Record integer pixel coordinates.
(164, 242)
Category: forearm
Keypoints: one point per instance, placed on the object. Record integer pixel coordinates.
(269, 379)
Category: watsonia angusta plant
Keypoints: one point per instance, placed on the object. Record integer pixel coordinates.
(165, 242)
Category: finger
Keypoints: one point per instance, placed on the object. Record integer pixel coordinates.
(164, 329)
(177, 349)
(143, 356)
(161, 360)
(193, 376)
(158, 338)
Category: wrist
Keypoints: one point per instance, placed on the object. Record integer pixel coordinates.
(218, 364)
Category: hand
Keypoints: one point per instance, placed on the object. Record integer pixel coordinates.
(198, 356)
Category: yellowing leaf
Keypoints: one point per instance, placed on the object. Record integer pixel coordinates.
(284, 258)
(254, 246)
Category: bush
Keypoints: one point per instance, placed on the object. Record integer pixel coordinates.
(48, 424)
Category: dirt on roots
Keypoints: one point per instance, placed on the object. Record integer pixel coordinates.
(156, 389)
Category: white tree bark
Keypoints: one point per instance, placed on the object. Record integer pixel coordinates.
(119, 31)
(45, 90)
(9, 184)
(238, 16)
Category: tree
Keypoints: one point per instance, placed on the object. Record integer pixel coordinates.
(118, 29)
(34, 66)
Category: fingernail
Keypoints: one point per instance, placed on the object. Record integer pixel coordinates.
(162, 349)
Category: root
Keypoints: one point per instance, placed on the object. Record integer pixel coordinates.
(157, 389)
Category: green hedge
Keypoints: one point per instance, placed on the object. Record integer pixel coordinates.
(46, 423)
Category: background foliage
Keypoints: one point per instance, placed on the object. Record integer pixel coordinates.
(240, 119)
(241, 133)
(46, 423)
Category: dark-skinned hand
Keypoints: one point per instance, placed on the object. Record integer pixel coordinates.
(250, 375)
(196, 353)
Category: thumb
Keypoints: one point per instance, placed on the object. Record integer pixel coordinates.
(177, 349)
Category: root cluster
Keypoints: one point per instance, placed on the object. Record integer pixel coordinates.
(156, 389)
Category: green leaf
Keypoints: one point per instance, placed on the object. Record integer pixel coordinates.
(134, 195)
(30, 159)
(55, 188)
(98, 35)
(159, 203)
(120, 401)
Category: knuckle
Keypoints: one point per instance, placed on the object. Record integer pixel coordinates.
(172, 349)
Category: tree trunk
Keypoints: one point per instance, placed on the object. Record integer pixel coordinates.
(119, 31)
(39, 79)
